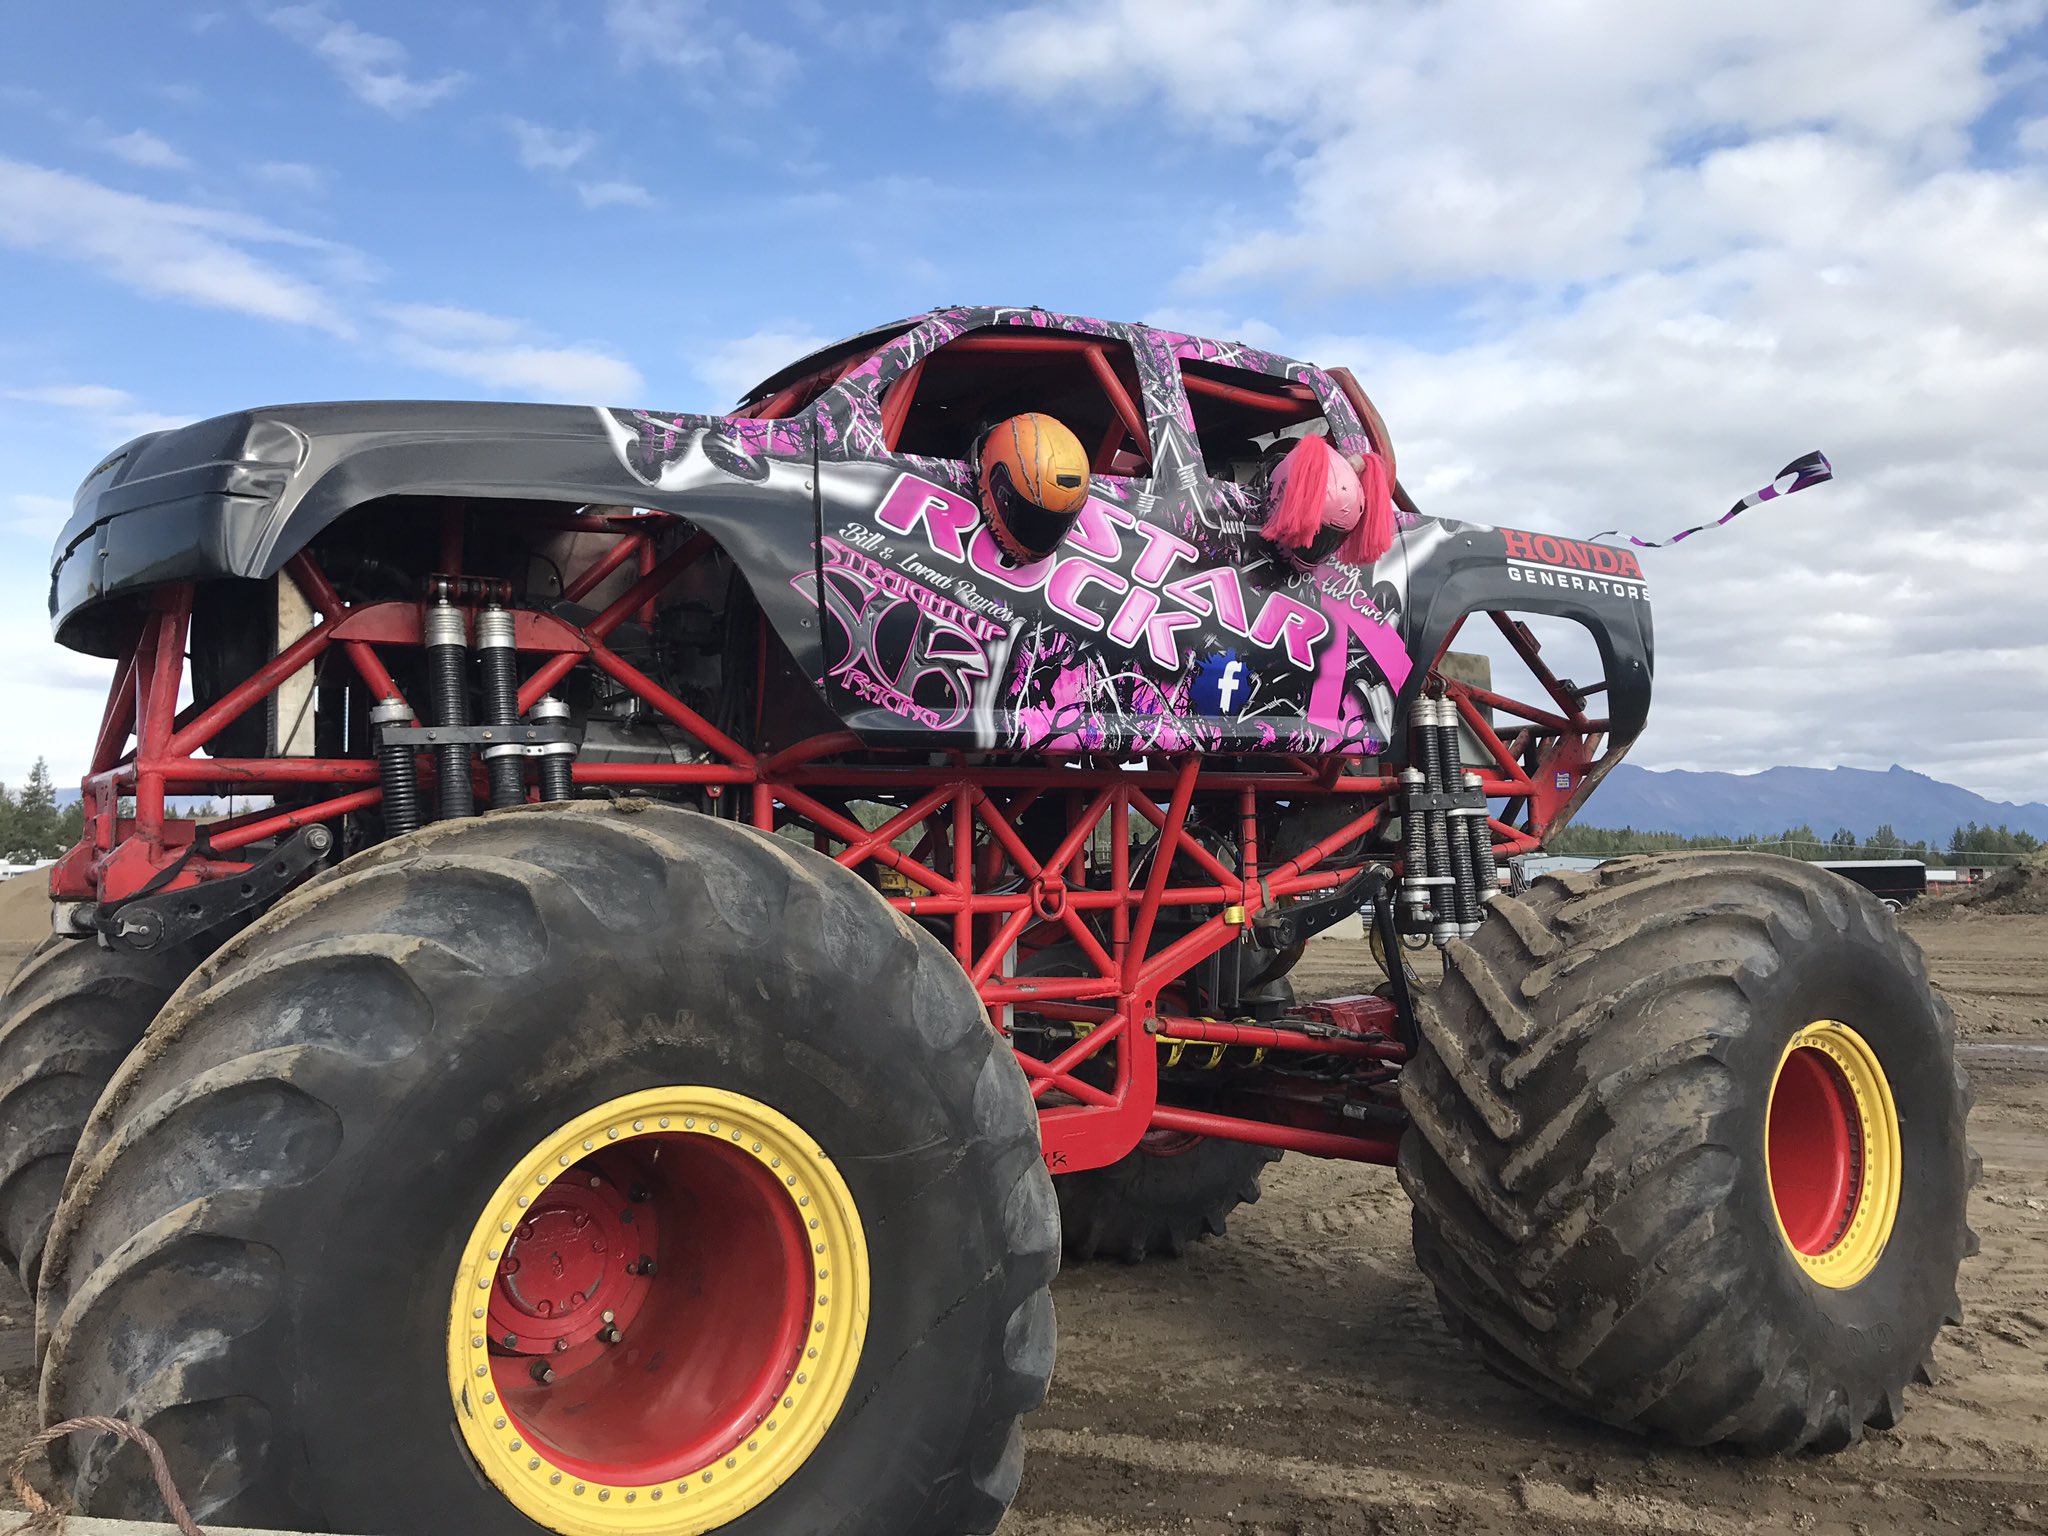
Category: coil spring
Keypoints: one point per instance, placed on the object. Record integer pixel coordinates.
(397, 771)
(1485, 869)
(446, 653)
(499, 662)
(1414, 840)
(1444, 725)
(557, 769)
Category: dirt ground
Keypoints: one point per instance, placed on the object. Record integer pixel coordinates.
(1293, 1379)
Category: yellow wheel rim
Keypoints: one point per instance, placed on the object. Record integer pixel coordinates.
(657, 1315)
(1832, 1154)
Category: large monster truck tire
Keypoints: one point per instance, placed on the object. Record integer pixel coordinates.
(1170, 1191)
(776, 1185)
(71, 1014)
(1687, 1150)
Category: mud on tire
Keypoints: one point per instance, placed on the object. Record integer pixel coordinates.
(70, 1015)
(255, 1258)
(1586, 1156)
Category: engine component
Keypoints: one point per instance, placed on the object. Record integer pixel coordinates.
(397, 769)
(637, 741)
(447, 643)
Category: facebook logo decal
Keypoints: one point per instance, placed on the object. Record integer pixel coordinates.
(1220, 686)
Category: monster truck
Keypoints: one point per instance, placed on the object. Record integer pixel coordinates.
(695, 922)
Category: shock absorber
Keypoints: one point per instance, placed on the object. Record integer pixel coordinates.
(1464, 913)
(1471, 895)
(447, 638)
(1415, 869)
(1444, 862)
(397, 770)
(497, 650)
(558, 758)
(1485, 872)
(1426, 888)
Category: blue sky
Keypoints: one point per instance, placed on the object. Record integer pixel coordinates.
(1599, 264)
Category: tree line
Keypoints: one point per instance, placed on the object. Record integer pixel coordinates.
(32, 825)
(1969, 844)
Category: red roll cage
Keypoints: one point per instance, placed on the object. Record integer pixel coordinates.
(1079, 893)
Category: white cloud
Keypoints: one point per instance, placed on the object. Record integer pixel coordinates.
(373, 67)
(1220, 325)
(1687, 243)
(739, 363)
(290, 176)
(202, 256)
(35, 514)
(713, 57)
(553, 151)
(541, 148)
(75, 397)
(166, 250)
(504, 355)
(614, 194)
(1492, 138)
(62, 691)
(145, 149)
(113, 413)
(450, 323)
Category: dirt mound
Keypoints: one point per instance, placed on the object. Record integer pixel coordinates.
(2020, 889)
(24, 917)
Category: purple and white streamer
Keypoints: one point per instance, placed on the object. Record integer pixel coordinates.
(1809, 469)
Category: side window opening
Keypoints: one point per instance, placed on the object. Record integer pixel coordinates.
(1240, 414)
(940, 407)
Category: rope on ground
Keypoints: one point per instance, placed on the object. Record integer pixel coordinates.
(46, 1517)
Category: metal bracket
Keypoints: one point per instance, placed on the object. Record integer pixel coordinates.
(163, 919)
(477, 735)
(1299, 921)
(1456, 800)
(496, 740)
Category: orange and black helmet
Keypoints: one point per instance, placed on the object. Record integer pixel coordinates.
(1034, 481)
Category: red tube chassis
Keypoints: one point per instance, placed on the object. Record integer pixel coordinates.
(130, 842)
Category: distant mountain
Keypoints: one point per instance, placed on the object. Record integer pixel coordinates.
(1861, 799)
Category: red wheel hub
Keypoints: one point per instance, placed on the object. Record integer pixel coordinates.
(649, 1309)
(1816, 1150)
(581, 1261)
